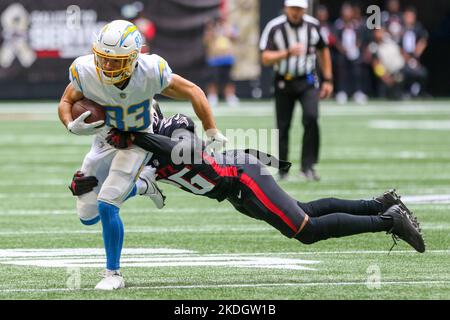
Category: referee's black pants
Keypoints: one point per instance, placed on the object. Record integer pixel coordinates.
(286, 95)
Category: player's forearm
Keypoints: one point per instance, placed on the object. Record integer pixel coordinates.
(269, 57)
(183, 89)
(65, 112)
(202, 109)
(69, 97)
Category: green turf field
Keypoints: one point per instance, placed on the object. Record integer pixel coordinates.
(196, 248)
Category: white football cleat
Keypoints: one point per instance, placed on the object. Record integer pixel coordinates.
(112, 280)
(151, 190)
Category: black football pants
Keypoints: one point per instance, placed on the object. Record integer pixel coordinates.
(259, 196)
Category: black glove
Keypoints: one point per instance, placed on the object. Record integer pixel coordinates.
(81, 184)
(119, 139)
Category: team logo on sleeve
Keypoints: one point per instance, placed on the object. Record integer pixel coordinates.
(162, 64)
(181, 120)
(75, 75)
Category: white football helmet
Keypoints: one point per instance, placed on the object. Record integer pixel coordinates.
(116, 51)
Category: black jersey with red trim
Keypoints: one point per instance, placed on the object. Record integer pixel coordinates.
(180, 159)
(236, 175)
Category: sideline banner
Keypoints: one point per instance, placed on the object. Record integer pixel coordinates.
(39, 39)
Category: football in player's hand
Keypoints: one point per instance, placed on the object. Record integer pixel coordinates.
(83, 105)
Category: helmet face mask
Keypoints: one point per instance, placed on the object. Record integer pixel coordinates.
(116, 51)
(114, 69)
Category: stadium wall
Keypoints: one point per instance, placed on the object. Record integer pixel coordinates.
(40, 38)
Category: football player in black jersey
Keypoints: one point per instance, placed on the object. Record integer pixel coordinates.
(239, 176)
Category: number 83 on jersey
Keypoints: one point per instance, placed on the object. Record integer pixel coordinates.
(133, 118)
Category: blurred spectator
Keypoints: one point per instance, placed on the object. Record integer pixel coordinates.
(147, 29)
(392, 20)
(388, 64)
(414, 42)
(349, 69)
(325, 27)
(366, 36)
(218, 38)
(358, 17)
(135, 13)
(360, 20)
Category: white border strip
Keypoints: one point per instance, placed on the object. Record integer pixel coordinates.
(244, 285)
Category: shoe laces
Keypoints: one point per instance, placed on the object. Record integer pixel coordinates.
(395, 239)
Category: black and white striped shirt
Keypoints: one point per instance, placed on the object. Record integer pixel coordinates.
(279, 34)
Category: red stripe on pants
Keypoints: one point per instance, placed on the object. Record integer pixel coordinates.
(249, 182)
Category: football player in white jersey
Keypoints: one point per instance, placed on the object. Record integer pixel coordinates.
(124, 81)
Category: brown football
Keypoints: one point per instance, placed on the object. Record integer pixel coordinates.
(83, 105)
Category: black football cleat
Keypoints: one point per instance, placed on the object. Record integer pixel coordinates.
(405, 228)
(390, 198)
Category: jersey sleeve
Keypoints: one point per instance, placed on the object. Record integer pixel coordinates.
(422, 33)
(184, 141)
(317, 38)
(74, 76)
(267, 39)
(163, 73)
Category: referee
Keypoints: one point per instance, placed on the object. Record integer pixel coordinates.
(291, 43)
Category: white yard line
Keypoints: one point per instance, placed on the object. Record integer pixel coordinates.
(46, 111)
(243, 285)
(29, 183)
(174, 192)
(48, 195)
(34, 195)
(350, 252)
(410, 124)
(62, 252)
(428, 198)
(150, 210)
(191, 229)
(202, 229)
(84, 252)
(256, 105)
(142, 257)
(164, 257)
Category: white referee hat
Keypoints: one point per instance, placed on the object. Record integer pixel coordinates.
(296, 3)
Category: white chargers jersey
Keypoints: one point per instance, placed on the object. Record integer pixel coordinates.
(129, 109)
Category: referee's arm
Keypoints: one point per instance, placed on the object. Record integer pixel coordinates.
(270, 54)
(270, 57)
(326, 88)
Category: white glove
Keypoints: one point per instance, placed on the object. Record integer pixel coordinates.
(79, 127)
(215, 142)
